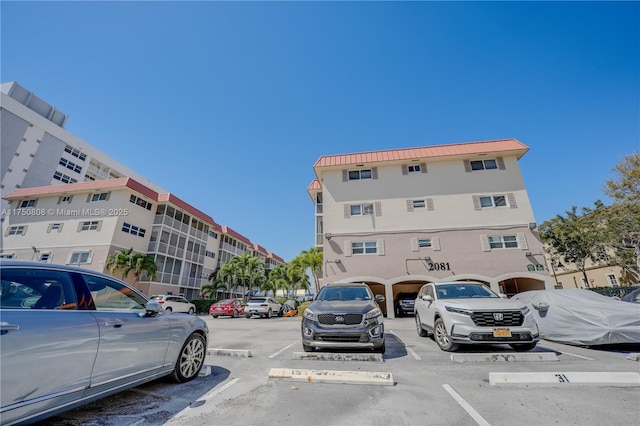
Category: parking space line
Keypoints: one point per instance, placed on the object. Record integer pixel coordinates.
(411, 351)
(577, 356)
(207, 396)
(467, 407)
(282, 350)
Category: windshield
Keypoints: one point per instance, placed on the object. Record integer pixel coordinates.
(463, 291)
(344, 293)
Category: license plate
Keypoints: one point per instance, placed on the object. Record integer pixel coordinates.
(502, 332)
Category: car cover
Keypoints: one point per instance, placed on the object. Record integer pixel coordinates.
(583, 317)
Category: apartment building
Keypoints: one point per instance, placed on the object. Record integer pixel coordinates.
(64, 201)
(400, 218)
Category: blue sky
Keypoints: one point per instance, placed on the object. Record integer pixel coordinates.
(229, 104)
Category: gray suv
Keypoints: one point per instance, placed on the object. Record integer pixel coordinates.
(344, 316)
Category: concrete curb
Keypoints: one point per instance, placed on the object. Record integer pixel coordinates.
(236, 353)
(505, 357)
(558, 379)
(328, 356)
(633, 357)
(330, 376)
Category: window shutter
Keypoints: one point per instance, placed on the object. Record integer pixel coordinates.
(380, 247)
(435, 243)
(345, 175)
(59, 200)
(484, 240)
(89, 198)
(90, 258)
(99, 225)
(347, 248)
(405, 170)
(500, 162)
(476, 202)
(409, 205)
(423, 167)
(522, 241)
(377, 208)
(347, 211)
(49, 228)
(511, 197)
(60, 228)
(374, 173)
(467, 166)
(80, 226)
(414, 244)
(430, 204)
(108, 195)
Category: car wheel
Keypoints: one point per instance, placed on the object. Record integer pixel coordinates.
(269, 314)
(235, 314)
(307, 348)
(381, 349)
(442, 338)
(523, 347)
(215, 316)
(421, 331)
(168, 309)
(190, 359)
(247, 316)
(191, 311)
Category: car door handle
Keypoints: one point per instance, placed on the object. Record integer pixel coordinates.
(114, 323)
(5, 327)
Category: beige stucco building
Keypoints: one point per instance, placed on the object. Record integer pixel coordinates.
(398, 219)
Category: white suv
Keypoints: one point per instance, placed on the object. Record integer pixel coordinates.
(470, 313)
(175, 303)
(266, 307)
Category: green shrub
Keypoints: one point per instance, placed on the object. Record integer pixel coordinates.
(202, 305)
(302, 307)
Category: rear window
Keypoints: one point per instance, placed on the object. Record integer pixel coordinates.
(259, 300)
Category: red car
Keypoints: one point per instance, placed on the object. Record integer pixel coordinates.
(229, 307)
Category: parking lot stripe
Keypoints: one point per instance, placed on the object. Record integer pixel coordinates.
(567, 378)
(467, 407)
(410, 350)
(282, 350)
(333, 376)
(207, 396)
(577, 356)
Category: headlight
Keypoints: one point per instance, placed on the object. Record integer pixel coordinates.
(375, 312)
(310, 315)
(459, 310)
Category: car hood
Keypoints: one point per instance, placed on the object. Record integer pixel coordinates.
(488, 304)
(342, 306)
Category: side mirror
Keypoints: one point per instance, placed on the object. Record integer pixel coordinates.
(379, 298)
(503, 296)
(153, 308)
(427, 298)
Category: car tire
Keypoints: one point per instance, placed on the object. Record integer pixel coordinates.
(381, 349)
(523, 347)
(192, 311)
(247, 316)
(269, 313)
(168, 309)
(190, 359)
(215, 316)
(307, 348)
(421, 331)
(442, 338)
(235, 314)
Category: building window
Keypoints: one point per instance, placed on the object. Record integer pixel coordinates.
(45, 257)
(210, 254)
(65, 199)
(75, 152)
(361, 209)
(17, 230)
(54, 227)
(103, 196)
(79, 257)
(91, 225)
(418, 204)
(503, 241)
(27, 203)
(64, 178)
(7, 255)
(483, 164)
(360, 174)
(612, 280)
(493, 201)
(366, 247)
(424, 242)
(70, 165)
(414, 168)
(140, 202)
(133, 230)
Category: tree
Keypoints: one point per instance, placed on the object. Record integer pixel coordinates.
(228, 274)
(312, 259)
(118, 261)
(278, 279)
(128, 262)
(625, 187)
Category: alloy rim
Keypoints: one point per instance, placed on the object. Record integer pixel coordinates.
(191, 358)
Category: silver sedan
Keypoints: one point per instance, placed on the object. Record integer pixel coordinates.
(69, 336)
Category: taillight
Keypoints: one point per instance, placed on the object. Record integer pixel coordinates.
(161, 302)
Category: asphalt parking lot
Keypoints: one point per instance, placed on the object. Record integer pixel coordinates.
(259, 374)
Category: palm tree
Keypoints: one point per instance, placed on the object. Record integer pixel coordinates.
(139, 264)
(118, 260)
(212, 289)
(297, 274)
(279, 279)
(312, 259)
(228, 274)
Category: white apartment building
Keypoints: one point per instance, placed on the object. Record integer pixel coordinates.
(400, 218)
(63, 201)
